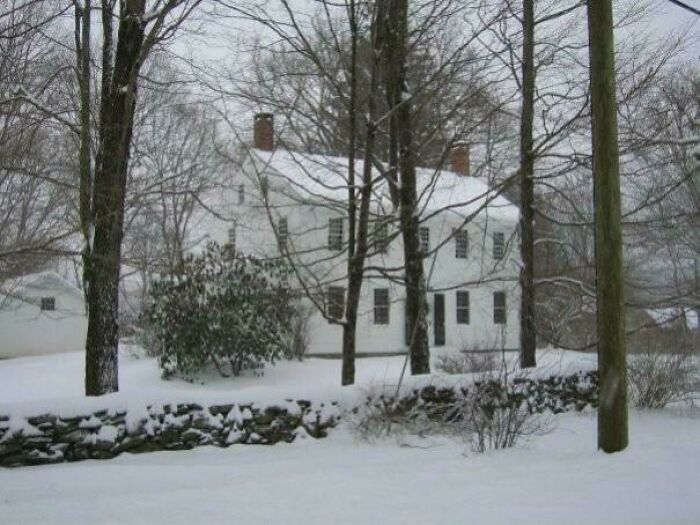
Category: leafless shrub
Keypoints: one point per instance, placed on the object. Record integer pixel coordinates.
(492, 413)
(492, 416)
(383, 416)
(656, 379)
(465, 362)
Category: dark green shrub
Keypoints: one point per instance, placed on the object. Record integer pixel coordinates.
(227, 311)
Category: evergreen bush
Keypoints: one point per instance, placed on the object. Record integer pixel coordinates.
(225, 311)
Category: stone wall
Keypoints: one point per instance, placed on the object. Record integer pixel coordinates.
(105, 434)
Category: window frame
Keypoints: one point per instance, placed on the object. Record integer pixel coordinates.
(463, 309)
(48, 304)
(461, 249)
(232, 235)
(500, 311)
(283, 231)
(424, 239)
(335, 302)
(499, 246)
(382, 306)
(381, 237)
(336, 234)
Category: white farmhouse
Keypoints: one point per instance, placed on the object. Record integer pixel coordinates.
(284, 202)
(41, 313)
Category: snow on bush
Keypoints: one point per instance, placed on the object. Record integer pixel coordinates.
(494, 411)
(225, 311)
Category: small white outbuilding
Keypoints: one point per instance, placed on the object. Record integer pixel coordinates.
(41, 313)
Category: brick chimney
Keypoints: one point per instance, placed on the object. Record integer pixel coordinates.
(459, 158)
(263, 131)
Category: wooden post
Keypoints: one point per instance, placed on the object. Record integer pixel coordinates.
(612, 366)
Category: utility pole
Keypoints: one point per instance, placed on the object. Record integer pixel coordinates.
(612, 361)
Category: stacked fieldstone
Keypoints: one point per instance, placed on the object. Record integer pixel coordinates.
(105, 434)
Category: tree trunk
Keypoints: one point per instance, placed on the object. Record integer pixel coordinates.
(357, 252)
(612, 412)
(528, 337)
(101, 371)
(396, 24)
(82, 20)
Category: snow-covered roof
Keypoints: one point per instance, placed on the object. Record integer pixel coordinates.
(674, 314)
(47, 280)
(325, 177)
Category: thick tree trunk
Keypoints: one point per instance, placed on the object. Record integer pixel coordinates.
(101, 371)
(416, 300)
(528, 337)
(612, 412)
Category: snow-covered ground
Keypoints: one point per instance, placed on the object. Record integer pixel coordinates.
(33, 385)
(556, 478)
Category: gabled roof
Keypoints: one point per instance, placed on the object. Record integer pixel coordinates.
(325, 177)
(48, 280)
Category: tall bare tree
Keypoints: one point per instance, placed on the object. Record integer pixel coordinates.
(528, 335)
(138, 31)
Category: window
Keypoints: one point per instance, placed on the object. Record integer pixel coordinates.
(232, 237)
(381, 306)
(499, 308)
(499, 245)
(48, 304)
(335, 234)
(241, 193)
(462, 307)
(461, 244)
(382, 237)
(335, 303)
(283, 232)
(424, 238)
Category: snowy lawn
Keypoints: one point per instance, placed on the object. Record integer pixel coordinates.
(557, 478)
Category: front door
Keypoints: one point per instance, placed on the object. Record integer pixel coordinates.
(439, 318)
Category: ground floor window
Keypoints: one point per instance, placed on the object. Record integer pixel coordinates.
(381, 306)
(48, 304)
(499, 307)
(335, 302)
(462, 307)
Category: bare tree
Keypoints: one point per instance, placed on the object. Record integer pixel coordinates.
(138, 31)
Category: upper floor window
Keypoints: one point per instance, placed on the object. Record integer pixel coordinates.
(424, 238)
(382, 237)
(335, 302)
(241, 193)
(48, 304)
(499, 245)
(499, 307)
(462, 307)
(381, 306)
(335, 233)
(283, 232)
(232, 237)
(461, 244)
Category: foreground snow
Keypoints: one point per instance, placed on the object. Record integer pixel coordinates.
(556, 478)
